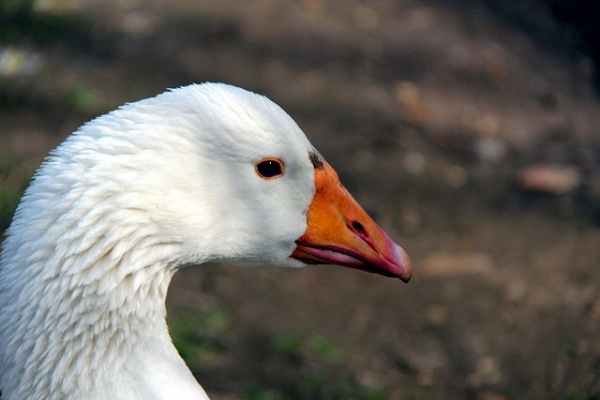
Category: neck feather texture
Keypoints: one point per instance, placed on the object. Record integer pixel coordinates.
(82, 301)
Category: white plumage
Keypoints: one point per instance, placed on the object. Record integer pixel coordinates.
(126, 201)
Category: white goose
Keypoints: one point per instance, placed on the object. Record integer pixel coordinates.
(201, 173)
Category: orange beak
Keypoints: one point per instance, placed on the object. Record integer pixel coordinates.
(340, 232)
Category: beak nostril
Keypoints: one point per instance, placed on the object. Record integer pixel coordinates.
(358, 228)
(360, 231)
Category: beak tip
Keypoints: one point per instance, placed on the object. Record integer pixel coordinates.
(405, 263)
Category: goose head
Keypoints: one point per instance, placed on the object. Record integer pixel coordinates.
(230, 177)
(198, 174)
(272, 197)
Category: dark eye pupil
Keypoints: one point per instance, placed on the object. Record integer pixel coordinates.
(269, 168)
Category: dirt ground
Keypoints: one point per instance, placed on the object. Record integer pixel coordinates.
(467, 129)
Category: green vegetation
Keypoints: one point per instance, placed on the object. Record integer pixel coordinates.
(18, 19)
(197, 334)
(13, 7)
(85, 100)
(305, 367)
(315, 345)
(280, 366)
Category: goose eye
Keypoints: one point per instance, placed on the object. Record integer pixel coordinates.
(269, 168)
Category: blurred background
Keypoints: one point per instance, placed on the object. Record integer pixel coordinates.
(468, 129)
